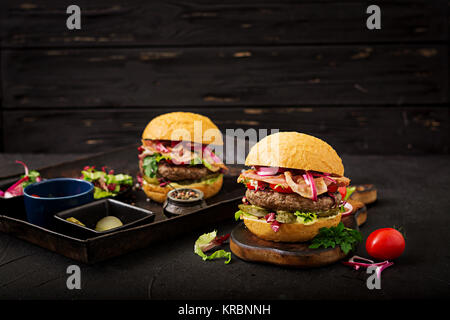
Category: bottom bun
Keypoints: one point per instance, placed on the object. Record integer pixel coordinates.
(159, 194)
(290, 232)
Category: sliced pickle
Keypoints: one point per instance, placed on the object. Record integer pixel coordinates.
(285, 217)
(328, 213)
(253, 210)
(151, 180)
(73, 220)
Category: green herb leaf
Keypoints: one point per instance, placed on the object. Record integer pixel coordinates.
(346, 238)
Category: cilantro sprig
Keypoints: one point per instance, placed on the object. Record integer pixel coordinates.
(340, 235)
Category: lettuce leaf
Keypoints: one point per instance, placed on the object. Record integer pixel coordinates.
(203, 241)
(100, 193)
(350, 190)
(306, 216)
(150, 164)
(206, 164)
(238, 214)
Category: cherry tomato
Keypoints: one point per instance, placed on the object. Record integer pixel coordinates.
(35, 195)
(280, 189)
(385, 244)
(342, 191)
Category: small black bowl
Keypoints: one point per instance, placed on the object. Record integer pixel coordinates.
(12, 207)
(89, 214)
(174, 206)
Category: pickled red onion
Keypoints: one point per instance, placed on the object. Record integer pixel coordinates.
(356, 265)
(309, 179)
(211, 154)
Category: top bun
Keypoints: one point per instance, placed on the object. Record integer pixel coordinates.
(182, 126)
(295, 150)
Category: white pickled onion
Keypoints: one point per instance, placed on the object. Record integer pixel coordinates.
(348, 209)
(266, 171)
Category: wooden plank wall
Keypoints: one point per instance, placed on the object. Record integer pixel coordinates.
(310, 66)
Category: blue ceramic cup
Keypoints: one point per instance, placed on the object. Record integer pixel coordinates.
(44, 199)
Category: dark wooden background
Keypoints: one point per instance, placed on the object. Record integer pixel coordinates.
(310, 66)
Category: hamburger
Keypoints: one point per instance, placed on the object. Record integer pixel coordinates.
(177, 152)
(292, 187)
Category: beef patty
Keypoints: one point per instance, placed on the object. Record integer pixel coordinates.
(290, 202)
(178, 173)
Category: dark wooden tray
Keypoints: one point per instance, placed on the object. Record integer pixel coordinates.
(91, 250)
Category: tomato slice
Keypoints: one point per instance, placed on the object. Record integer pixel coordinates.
(332, 188)
(256, 185)
(342, 191)
(280, 189)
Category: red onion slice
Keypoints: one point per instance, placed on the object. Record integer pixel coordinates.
(324, 175)
(270, 217)
(161, 148)
(356, 265)
(275, 226)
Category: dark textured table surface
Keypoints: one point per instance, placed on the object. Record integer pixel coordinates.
(412, 192)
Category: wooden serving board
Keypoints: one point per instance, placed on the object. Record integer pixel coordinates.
(248, 247)
(365, 193)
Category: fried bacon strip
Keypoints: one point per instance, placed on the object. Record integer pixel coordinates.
(295, 182)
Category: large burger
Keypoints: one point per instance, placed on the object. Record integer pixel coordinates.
(177, 152)
(292, 187)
